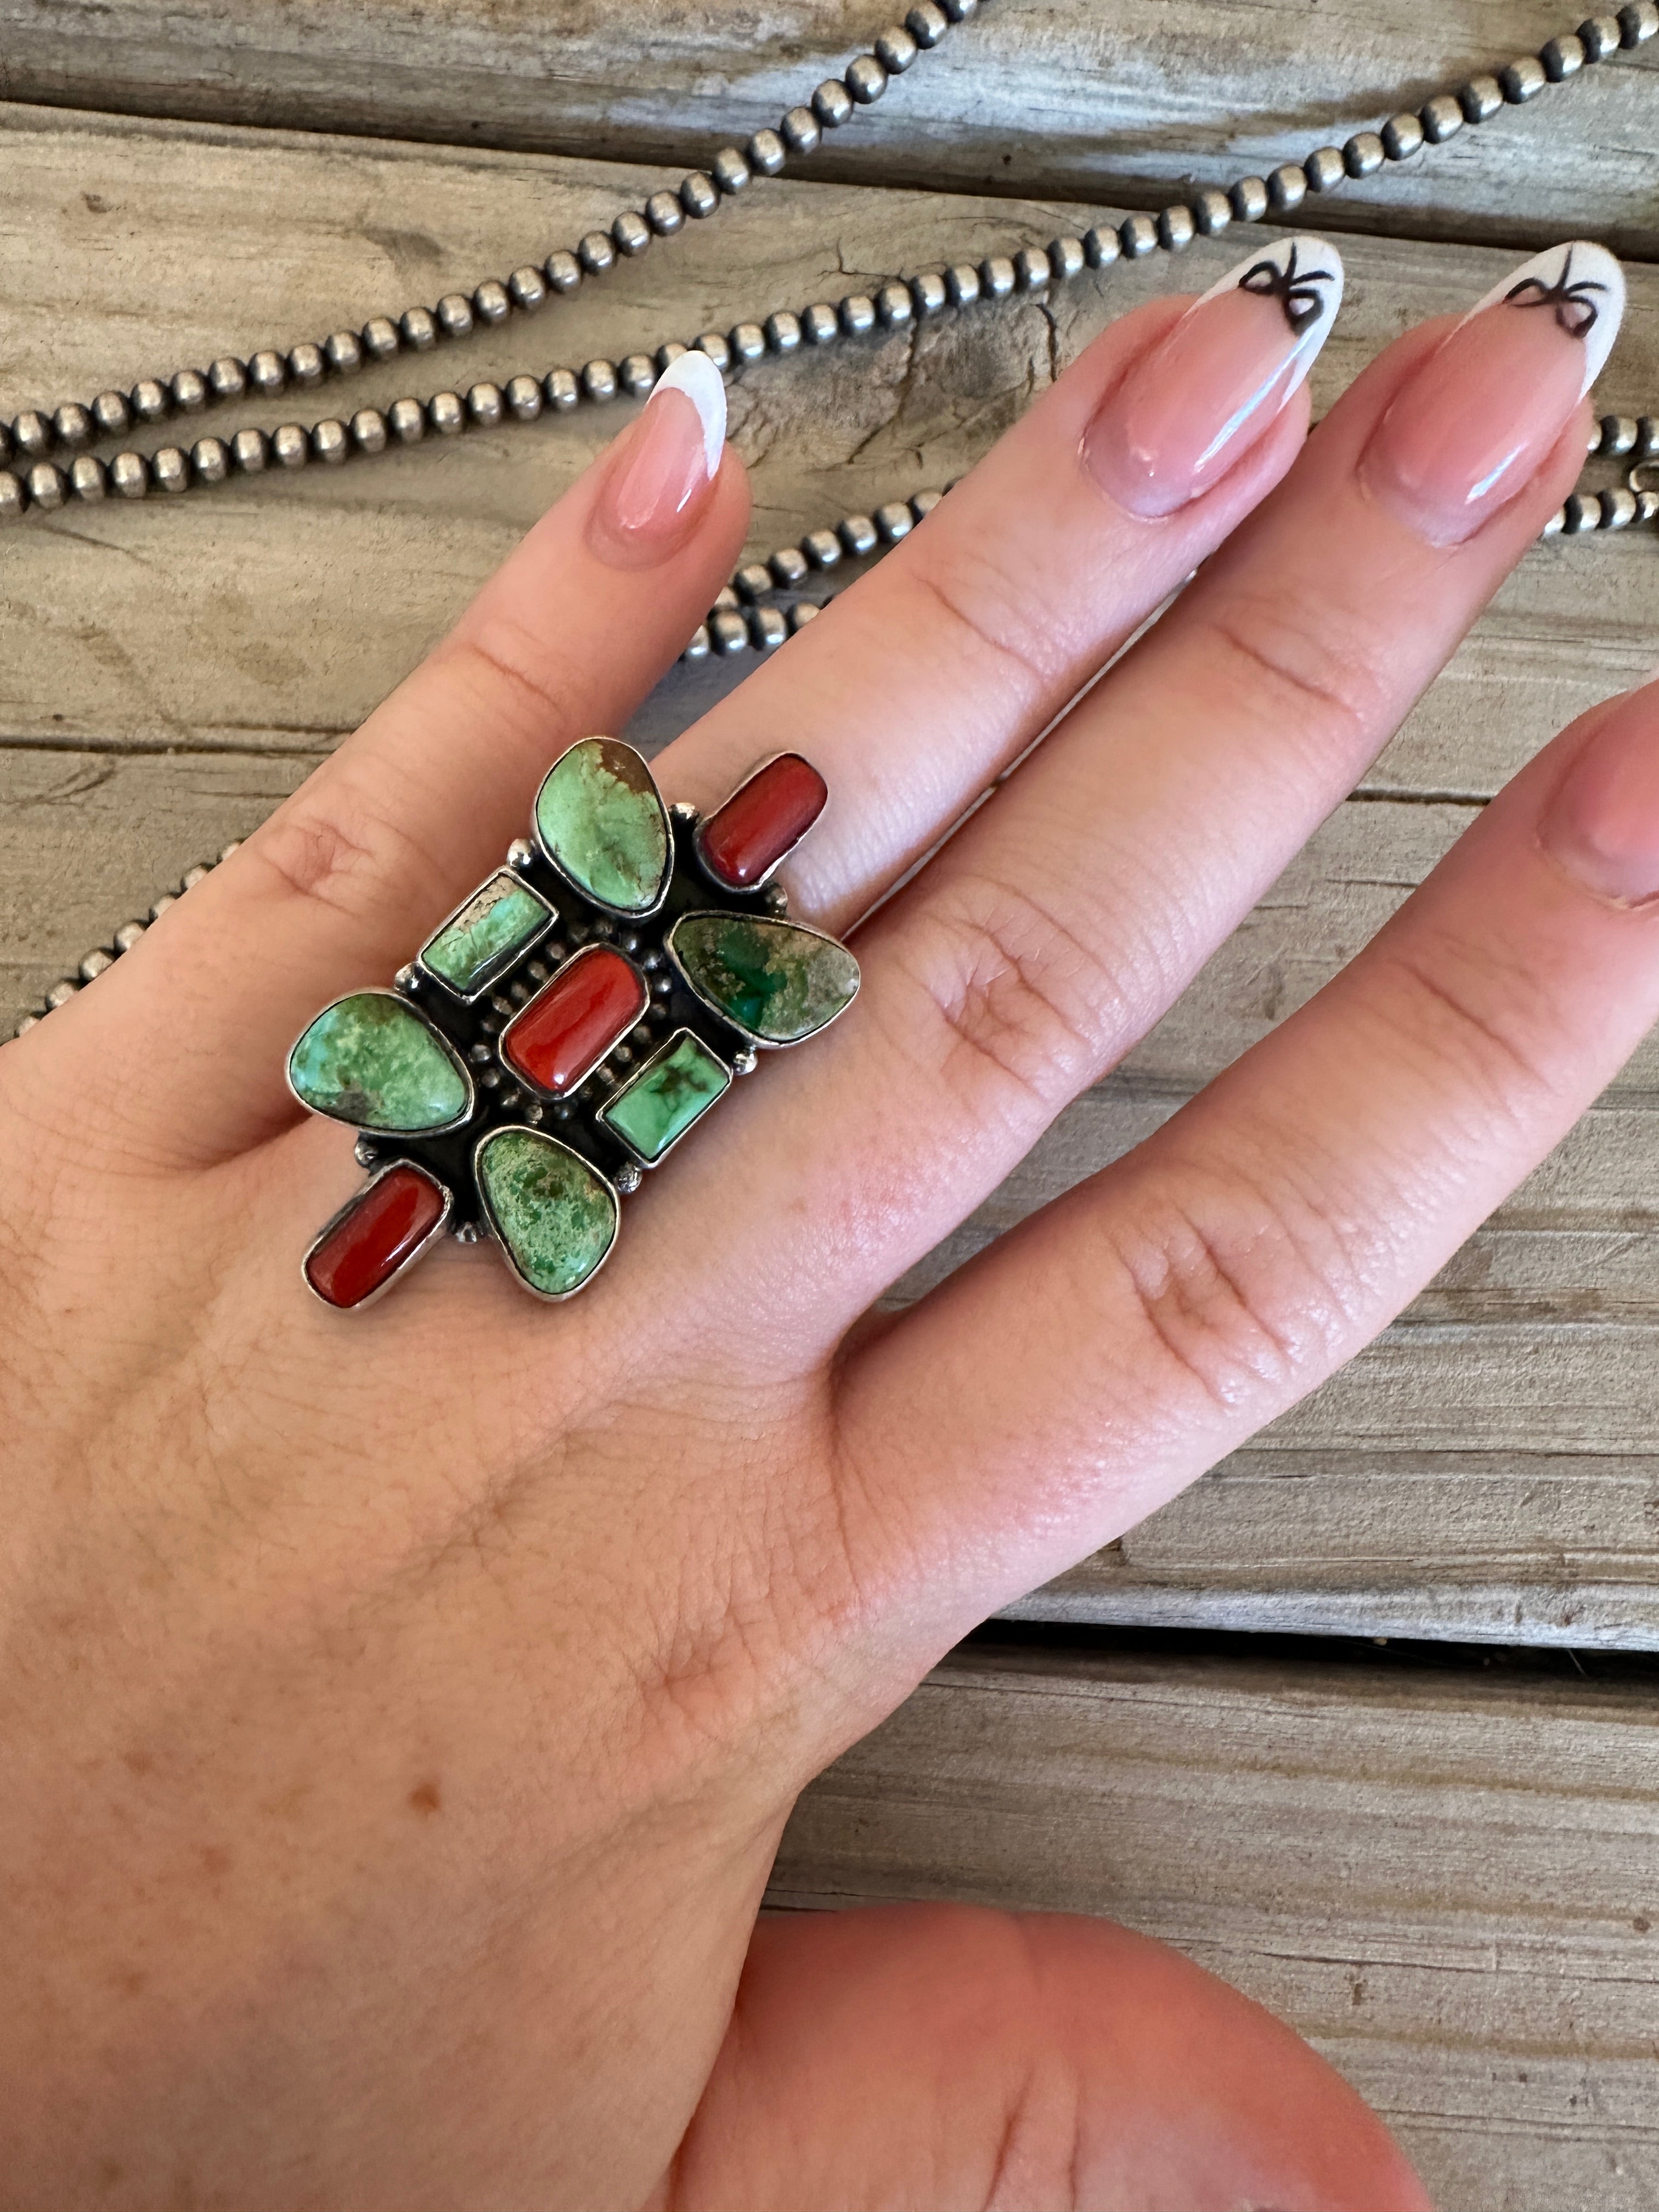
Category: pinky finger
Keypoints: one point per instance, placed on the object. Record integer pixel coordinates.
(1101, 1357)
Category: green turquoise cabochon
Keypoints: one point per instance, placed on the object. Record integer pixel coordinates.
(601, 822)
(373, 1061)
(486, 935)
(777, 982)
(556, 1215)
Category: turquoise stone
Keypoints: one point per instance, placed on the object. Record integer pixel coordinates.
(373, 1061)
(601, 822)
(658, 1105)
(555, 1215)
(501, 920)
(774, 980)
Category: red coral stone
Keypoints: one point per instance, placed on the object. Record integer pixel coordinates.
(570, 1025)
(378, 1231)
(764, 818)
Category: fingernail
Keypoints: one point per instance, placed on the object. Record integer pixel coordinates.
(1602, 825)
(1478, 419)
(1202, 399)
(662, 466)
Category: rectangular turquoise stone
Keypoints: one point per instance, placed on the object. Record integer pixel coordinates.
(671, 1092)
(502, 919)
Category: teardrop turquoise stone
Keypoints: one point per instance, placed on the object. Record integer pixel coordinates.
(373, 1061)
(776, 980)
(555, 1215)
(601, 822)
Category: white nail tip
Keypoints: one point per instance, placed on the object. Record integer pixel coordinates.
(696, 376)
(1583, 279)
(1306, 275)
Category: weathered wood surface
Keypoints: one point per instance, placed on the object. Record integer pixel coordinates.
(1100, 98)
(167, 672)
(1449, 1882)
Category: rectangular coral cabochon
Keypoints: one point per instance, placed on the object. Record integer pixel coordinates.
(378, 1233)
(671, 1092)
(557, 1039)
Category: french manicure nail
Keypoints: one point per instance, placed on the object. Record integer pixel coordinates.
(1476, 422)
(1602, 825)
(1203, 396)
(662, 465)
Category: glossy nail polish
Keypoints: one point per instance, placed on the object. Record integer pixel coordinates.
(660, 469)
(1476, 422)
(1204, 395)
(1602, 825)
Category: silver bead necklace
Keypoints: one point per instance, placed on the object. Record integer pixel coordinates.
(45, 461)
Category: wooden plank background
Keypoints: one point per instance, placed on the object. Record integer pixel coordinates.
(1449, 1881)
(1103, 99)
(169, 671)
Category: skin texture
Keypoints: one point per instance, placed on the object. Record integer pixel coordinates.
(401, 1711)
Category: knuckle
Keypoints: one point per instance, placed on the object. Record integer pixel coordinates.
(1018, 1003)
(1479, 1014)
(515, 675)
(339, 848)
(1291, 664)
(1008, 631)
(1246, 1293)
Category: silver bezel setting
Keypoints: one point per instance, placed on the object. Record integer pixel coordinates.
(760, 1043)
(398, 999)
(515, 1074)
(645, 1066)
(526, 1129)
(498, 967)
(416, 1252)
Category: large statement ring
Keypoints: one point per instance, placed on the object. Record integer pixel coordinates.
(570, 1021)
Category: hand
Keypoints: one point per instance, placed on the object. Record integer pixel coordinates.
(401, 1710)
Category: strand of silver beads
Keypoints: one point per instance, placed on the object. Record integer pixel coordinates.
(45, 486)
(743, 617)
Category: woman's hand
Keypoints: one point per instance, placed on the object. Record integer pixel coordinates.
(400, 1712)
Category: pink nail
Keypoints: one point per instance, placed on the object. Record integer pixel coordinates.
(1479, 416)
(1202, 399)
(660, 468)
(1602, 825)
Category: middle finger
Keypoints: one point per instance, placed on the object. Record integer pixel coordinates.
(1065, 917)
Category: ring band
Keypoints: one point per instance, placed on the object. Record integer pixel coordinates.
(573, 1018)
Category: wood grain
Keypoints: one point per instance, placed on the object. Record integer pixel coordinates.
(167, 672)
(1091, 99)
(1449, 1882)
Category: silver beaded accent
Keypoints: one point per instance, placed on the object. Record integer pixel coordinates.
(486, 405)
(1637, 23)
(1481, 99)
(329, 443)
(11, 498)
(491, 301)
(665, 214)
(783, 332)
(599, 381)
(562, 271)
(1522, 80)
(381, 337)
(1138, 236)
(72, 426)
(1363, 154)
(729, 170)
(1403, 135)
(766, 153)
(209, 461)
(832, 104)
(368, 430)
(1325, 168)
(866, 79)
(927, 23)
(895, 49)
(631, 234)
(1250, 198)
(47, 489)
(699, 196)
(88, 478)
(1213, 211)
(1563, 56)
(1177, 229)
(1599, 36)
(638, 373)
(306, 365)
(228, 377)
(417, 327)
(250, 452)
(290, 448)
(406, 420)
(528, 286)
(170, 469)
